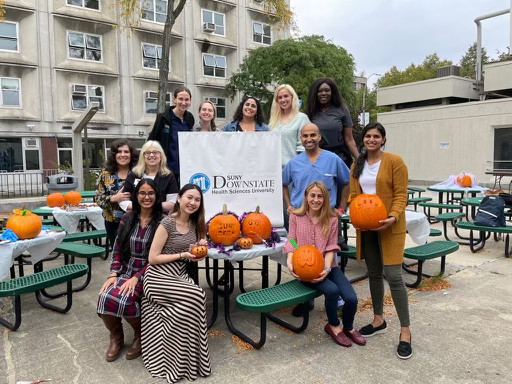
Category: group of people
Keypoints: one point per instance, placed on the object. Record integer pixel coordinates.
(152, 224)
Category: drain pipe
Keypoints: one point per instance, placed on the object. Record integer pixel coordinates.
(479, 39)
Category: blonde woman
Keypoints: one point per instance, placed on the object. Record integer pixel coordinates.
(152, 164)
(315, 223)
(207, 116)
(286, 119)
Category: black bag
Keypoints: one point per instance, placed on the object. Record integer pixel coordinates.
(507, 197)
(491, 212)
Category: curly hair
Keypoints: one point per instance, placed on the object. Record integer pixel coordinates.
(258, 118)
(313, 106)
(111, 166)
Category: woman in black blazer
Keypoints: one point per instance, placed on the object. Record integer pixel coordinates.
(153, 165)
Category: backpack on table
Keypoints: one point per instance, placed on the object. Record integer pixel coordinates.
(491, 212)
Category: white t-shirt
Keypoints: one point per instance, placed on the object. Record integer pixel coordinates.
(368, 178)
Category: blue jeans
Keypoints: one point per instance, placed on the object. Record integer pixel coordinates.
(334, 285)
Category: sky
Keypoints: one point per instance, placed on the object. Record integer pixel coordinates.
(383, 33)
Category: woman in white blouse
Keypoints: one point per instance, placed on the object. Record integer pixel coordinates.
(286, 119)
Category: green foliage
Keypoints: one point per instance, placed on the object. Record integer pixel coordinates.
(502, 56)
(296, 62)
(424, 71)
(468, 61)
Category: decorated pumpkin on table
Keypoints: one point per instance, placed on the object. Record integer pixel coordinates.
(73, 198)
(256, 226)
(245, 242)
(224, 228)
(366, 211)
(24, 224)
(55, 200)
(199, 251)
(308, 262)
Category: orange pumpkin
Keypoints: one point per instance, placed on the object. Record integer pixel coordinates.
(55, 200)
(224, 229)
(24, 224)
(256, 226)
(307, 262)
(73, 198)
(464, 181)
(199, 251)
(366, 211)
(245, 242)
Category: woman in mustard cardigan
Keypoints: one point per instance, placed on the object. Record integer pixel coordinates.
(384, 175)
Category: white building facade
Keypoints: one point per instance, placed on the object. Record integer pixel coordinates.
(58, 56)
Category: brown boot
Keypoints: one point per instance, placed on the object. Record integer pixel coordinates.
(115, 326)
(135, 350)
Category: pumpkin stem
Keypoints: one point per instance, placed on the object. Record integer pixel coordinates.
(292, 242)
(23, 210)
(224, 209)
(257, 209)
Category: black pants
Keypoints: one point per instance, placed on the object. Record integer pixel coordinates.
(111, 227)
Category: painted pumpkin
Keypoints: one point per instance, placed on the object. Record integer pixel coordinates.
(224, 229)
(24, 224)
(256, 226)
(199, 251)
(245, 242)
(366, 211)
(73, 198)
(55, 200)
(307, 262)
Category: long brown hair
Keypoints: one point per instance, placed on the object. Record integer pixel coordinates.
(198, 216)
(325, 213)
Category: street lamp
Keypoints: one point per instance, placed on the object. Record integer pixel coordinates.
(364, 97)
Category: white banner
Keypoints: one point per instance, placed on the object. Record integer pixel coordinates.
(241, 169)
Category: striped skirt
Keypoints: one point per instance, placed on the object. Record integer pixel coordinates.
(174, 338)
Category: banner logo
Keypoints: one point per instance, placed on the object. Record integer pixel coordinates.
(201, 180)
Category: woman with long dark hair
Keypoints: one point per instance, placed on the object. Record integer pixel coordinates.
(325, 108)
(248, 117)
(119, 295)
(385, 175)
(174, 307)
(121, 158)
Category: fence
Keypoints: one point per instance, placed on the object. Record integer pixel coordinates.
(33, 183)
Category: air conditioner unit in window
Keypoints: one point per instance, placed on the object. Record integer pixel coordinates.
(213, 100)
(209, 27)
(79, 88)
(151, 95)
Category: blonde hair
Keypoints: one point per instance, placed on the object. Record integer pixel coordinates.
(276, 112)
(213, 126)
(325, 213)
(140, 168)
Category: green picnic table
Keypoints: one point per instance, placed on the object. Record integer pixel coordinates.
(87, 194)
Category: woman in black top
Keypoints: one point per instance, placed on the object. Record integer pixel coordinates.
(326, 109)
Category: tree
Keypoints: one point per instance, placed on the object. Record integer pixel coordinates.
(296, 62)
(2, 10)
(502, 56)
(424, 71)
(468, 61)
(130, 12)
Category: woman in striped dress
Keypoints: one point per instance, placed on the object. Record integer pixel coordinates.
(174, 339)
(120, 294)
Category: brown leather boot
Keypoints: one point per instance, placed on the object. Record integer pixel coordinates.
(115, 326)
(135, 350)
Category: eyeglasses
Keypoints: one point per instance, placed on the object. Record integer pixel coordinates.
(143, 194)
(152, 153)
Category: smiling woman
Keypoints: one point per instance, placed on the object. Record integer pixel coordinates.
(248, 117)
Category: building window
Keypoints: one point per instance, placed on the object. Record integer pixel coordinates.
(214, 65)
(83, 95)
(213, 22)
(154, 10)
(261, 33)
(220, 106)
(65, 153)
(91, 4)
(84, 46)
(11, 154)
(10, 95)
(151, 102)
(151, 56)
(8, 36)
(503, 148)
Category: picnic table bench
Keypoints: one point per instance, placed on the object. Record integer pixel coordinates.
(35, 283)
(477, 244)
(428, 251)
(449, 207)
(88, 236)
(350, 253)
(270, 299)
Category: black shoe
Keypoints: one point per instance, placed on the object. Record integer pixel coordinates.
(298, 310)
(369, 330)
(404, 349)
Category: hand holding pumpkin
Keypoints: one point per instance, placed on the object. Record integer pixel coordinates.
(386, 223)
(289, 263)
(321, 277)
